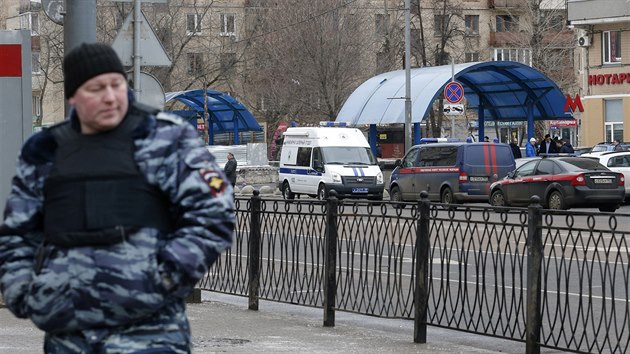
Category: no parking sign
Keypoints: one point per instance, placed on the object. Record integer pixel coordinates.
(454, 92)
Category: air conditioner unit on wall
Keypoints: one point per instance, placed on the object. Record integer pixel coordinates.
(584, 41)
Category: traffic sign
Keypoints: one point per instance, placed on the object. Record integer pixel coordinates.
(453, 92)
(453, 109)
(153, 52)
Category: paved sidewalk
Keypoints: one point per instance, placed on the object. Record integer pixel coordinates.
(223, 324)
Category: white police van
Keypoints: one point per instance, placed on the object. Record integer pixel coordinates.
(316, 160)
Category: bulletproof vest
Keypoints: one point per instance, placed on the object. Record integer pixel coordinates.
(95, 193)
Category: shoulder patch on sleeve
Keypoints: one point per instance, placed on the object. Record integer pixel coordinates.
(168, 117)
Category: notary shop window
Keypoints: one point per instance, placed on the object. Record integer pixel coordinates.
(613, 112)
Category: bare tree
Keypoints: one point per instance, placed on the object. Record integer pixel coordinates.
(311, 56)
(541, 29)
(442, 20)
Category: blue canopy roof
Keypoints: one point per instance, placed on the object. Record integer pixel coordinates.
(224, 111)
(503, 88)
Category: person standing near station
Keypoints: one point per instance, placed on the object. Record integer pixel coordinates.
(566, 147)
(530, 147)
(113, 217)
(516, 150)
(230, 168)
(547, 146)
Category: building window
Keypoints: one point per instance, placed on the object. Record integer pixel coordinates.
(507, 23)
(36, 67)
(37, 105)
(30, 21)
(380, 24)
(471, 57)
(613, 117)
(472, 25)
(611, 42)
(227, 25)
(521, 55)
(440, 25)
(195, 63)
(193, 24)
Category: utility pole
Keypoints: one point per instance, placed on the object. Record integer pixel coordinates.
(137, 24)
(408, 128)
(79, 26)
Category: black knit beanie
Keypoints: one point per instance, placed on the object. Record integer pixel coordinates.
(87, 61)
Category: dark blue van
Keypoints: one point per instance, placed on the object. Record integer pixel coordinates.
(450, 172)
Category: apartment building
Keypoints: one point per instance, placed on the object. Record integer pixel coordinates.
(603, 31)
(212, 44)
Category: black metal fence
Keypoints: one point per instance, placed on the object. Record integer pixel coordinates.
(556, 279)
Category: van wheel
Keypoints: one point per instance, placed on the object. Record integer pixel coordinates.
(286, 191)
(321, 192)
(396, 197)
(447, 196)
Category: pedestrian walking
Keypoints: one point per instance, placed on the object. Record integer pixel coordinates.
(114, 215)
(230, 168)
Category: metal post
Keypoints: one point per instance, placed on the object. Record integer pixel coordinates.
(79, 26)
(330, 268)
(408, 138)
(421, 295)
(137, 24)
(534, 264)
(254, 252)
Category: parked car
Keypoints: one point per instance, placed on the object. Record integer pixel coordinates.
(607, 146)
(615, 161)
(450, 172)
(561, 183)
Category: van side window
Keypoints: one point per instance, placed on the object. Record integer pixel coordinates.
(411, 158)
(439, 156)
(304, 156)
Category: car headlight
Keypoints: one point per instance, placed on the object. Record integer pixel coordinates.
(336, 178)
(379, 178)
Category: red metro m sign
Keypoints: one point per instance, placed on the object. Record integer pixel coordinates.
(574, 104)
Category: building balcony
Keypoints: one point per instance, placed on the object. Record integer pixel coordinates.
(503, 4)
(597, 12)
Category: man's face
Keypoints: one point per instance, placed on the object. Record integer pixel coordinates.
(101, 102)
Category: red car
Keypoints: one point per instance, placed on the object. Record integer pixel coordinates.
(561, 183)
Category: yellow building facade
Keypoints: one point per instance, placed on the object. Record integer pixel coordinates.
(603, 36)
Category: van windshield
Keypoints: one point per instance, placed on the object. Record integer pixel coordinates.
(348, 155)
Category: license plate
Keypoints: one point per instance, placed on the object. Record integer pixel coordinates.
(602, 180)
(478, 179)
(359, 190)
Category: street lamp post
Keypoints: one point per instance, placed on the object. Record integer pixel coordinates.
(408, 128)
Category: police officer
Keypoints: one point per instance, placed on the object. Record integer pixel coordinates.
(114, 215)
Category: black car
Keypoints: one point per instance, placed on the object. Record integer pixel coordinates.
(561, 183)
